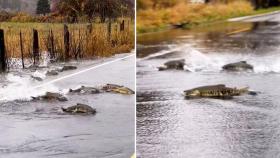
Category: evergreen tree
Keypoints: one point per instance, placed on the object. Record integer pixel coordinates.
(43, 7)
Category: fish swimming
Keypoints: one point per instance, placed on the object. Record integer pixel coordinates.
(79, 109)
(238, 66)
(217, 91)
(50, 96)
(85, 90)
(117, 89)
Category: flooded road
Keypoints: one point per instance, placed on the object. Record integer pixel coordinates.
(169, 126)
(40, 129)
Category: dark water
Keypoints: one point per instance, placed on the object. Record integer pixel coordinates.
(40, 129)
(169, 126)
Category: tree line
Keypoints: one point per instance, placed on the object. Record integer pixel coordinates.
(90, 9)
(265, 3)
(154, 4)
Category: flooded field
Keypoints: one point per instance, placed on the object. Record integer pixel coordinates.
(41, 129)
(170, 126)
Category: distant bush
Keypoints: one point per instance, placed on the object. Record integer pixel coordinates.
(157, 4)
(50, 18)
(103, 9)
(73, 11)
(190, 14)
(23, 17)
(5, 16)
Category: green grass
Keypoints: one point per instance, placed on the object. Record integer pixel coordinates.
(267, 10)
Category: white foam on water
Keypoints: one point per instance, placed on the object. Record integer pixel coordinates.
(41, 75)
(214, 61)
(45, 58)
(269, 63)
(44, 61)
(24, 87)
(21, 88)
(170, 48)
(16, 87)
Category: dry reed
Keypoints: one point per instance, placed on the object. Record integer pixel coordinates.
(86, 40)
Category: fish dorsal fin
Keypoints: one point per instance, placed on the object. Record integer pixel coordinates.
(34, 97)
(63, 109)
(220, 85)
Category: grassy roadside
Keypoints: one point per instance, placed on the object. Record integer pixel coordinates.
(267, 10)
(190, 15)
(84, 42)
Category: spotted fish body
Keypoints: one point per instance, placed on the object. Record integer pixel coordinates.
(84, 89)
(109, 87)
(118, 89)
(173, 65)
(54, 96)
(239, 66)
(123, 90)
(79, 109)
(219, 91)
(49, 96)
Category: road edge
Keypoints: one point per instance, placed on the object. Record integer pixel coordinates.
(252, 16)
(84, 70)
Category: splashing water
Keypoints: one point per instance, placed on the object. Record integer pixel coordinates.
(39, 74)
(45, 59)
(214, 61)
(21, 88)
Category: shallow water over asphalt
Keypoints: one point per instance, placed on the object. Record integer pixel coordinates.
(40, 129)
(169, 126)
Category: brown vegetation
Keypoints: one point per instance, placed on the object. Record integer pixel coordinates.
(86, 40)
(155, 14)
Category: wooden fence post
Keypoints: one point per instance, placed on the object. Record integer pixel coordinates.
(122, 26)
(89, 28)
(128, 25)
(3, 64)
(116, 28)
(66, 42)
(36, 54)
(78, 52)
(109, 30)
(21, 49)
(51, 45)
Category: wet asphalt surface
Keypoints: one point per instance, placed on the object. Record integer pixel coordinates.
(41, 129)
(170, 126)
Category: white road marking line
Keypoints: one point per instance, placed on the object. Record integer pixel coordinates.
(244, 18)
(82, 71)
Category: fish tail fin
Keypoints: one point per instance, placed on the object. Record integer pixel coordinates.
(35, 98)
(63, 109)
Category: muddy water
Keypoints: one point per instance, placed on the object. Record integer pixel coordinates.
(169, 126)
(40, 129)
